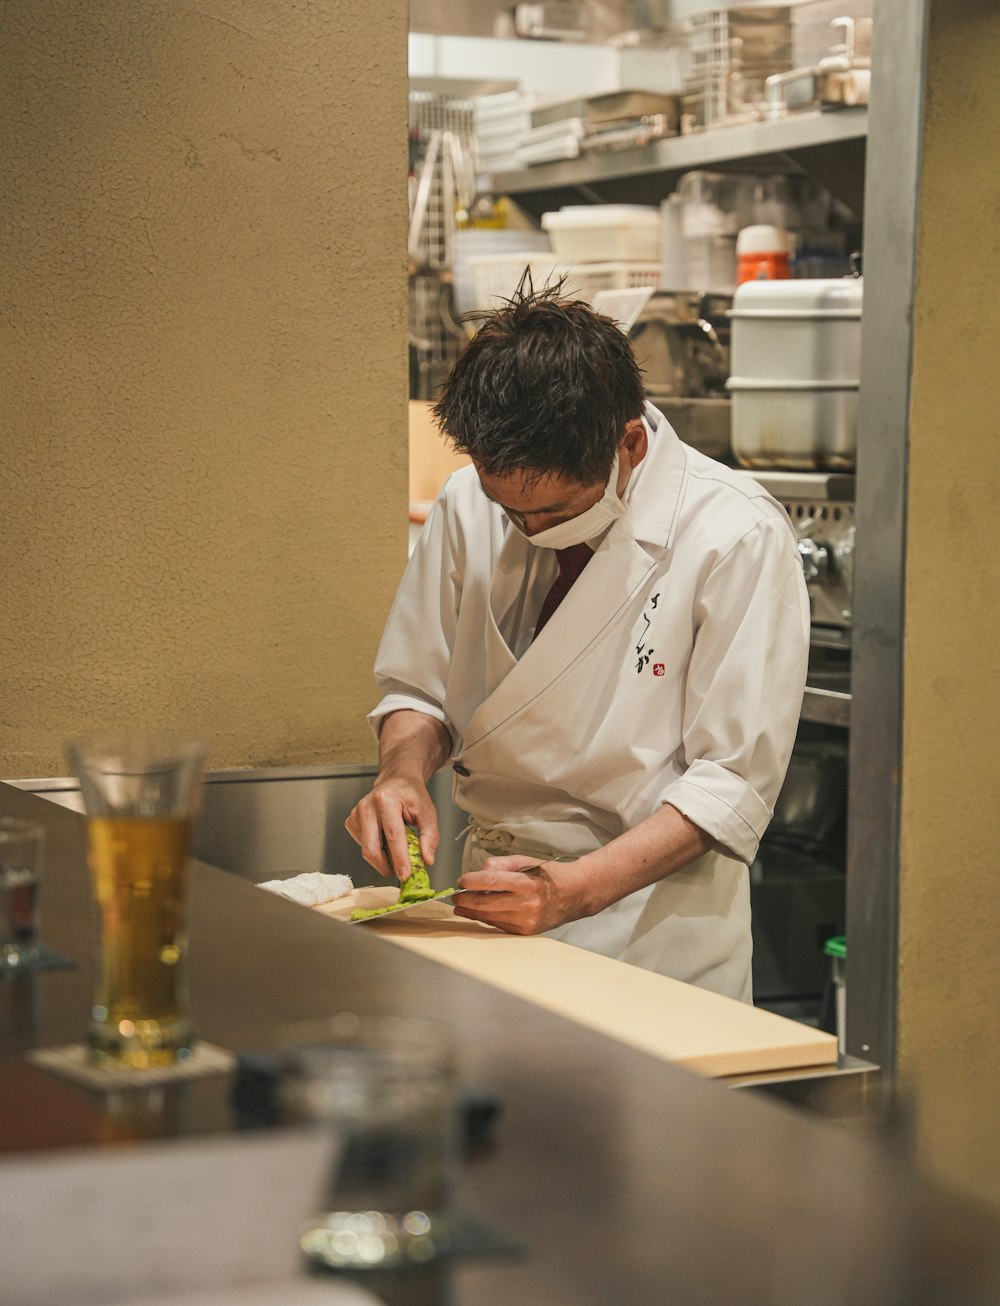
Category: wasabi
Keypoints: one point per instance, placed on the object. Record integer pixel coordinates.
(366, 913)
(415, 889)
(418, 886)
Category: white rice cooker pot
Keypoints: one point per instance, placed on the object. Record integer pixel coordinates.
(796, 369)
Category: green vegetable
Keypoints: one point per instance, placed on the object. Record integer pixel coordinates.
(417, 888)
(366, 913)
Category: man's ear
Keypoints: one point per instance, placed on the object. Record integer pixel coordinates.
(636, 440)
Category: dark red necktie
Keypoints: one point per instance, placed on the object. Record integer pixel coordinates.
(571, 563)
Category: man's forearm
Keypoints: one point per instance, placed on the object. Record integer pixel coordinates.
(663, 843)
(412, 744)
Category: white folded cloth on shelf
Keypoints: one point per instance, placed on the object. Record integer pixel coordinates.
(310, 888)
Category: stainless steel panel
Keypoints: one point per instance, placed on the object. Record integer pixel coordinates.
(268, 824)
(803, 486)
(891, 218)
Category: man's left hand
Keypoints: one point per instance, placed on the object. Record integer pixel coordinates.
(521, 896)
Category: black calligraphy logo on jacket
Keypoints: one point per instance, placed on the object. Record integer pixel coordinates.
(644, 650)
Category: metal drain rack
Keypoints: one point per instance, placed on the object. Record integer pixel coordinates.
(441, 175)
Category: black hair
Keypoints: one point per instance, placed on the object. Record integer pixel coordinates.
(546, 385)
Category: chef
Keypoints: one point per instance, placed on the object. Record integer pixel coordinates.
(605, 634)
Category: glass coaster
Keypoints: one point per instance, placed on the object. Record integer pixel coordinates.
(40, 958)
(72, 1061)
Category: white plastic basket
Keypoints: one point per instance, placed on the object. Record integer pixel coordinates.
(496, 277)
(601, 233)
(584, 280)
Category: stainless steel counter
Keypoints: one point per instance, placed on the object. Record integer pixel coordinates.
(617, 1177)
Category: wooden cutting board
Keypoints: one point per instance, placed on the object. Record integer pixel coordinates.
(711, 1035)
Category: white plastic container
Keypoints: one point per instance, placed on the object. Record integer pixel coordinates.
(603, 233)
(795, 373)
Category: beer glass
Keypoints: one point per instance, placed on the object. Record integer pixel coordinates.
(140, 794)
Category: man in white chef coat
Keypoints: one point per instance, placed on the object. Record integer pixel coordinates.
(605, 634)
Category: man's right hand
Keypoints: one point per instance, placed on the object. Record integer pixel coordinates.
(412, 746)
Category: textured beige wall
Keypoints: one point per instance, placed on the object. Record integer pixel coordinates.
(949, 983)
(202, 385)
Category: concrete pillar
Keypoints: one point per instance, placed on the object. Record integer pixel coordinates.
(948, 1036)
(203, 375)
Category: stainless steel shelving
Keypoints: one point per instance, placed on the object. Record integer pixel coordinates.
(830, 707)
(719, 145)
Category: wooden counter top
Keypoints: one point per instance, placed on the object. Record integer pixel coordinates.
(676, 1022)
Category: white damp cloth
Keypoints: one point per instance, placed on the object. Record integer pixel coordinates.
(311, 887)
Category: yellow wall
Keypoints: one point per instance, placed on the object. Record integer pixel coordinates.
(203, 376)
(949, 983)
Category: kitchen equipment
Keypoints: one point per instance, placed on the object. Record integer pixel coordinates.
(844, 75)
(609, 109)
(796, 365)
(730, 55)
(836, 950)
(811, 802)
(820, 506)
(601, 233)
(554, 20)
(841, 79)
(442, 180)
(680, 341)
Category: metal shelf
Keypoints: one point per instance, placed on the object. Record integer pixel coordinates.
(830, 707)
(829, 487)
(699, 150)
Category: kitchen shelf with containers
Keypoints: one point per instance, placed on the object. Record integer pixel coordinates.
(755, 82)
(676, 154)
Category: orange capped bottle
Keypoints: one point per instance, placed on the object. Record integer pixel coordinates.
(761, 254)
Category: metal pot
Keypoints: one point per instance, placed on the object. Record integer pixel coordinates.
(796, 368)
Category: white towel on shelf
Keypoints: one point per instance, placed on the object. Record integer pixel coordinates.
(310, 888)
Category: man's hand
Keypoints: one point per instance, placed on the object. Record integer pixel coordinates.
(412, 746)
(518, 895)
(377, 824)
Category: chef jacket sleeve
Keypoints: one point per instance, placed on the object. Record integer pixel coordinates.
(411, 666)
(744, 688)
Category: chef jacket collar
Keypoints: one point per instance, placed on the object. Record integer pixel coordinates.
(656, 493)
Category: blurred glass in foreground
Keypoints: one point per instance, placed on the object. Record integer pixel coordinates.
(21, 848)
(387, 1087)
(140, 793)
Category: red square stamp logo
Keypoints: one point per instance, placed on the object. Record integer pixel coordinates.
(659, 669)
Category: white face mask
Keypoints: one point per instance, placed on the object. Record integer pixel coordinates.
(578, 530)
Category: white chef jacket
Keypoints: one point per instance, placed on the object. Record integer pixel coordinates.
(672, 672)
